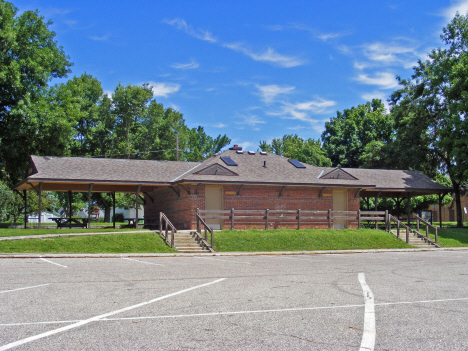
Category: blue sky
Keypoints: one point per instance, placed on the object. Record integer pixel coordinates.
(254, 70)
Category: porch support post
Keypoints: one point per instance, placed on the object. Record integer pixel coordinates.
(90, 188)
(375, 209)
(39, 194)
(440, 210)
(398, 207)
(408, 209)
(137, 205)
(25, 196)
(113, 208)
(70, 197)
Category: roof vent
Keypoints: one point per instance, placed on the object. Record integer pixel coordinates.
(263, 153)
(251, 152)
(236, 147)
(239, 151)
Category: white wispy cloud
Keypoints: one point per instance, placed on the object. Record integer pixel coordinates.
(164, 89)
(250, 120)
(108, 93)
(102, 38)
(303, 111)
(270, 56)
(315, 33)
(389, 54)
(296, 128)
(196, 33)
(269, 92)
(247, 144)
(385, 80)
(219, 125)
(191, 65)
(459, 6)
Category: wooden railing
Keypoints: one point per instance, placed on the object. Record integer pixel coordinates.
(298, 217)
(399, 225)
(428, 225)
(207, 229)
(166, 223)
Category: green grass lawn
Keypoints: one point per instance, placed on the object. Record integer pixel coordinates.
(304, 240)
(116, 243)
(451, 237)
(34, 231)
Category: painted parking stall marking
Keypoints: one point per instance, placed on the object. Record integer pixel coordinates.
(131, 259)
(96, 318)
(368, 336)
(28, 287)
(58, 264)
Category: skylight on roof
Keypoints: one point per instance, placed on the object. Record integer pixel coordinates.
(296, 163)
(229, 161)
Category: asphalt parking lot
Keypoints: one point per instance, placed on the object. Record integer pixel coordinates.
(359, 301)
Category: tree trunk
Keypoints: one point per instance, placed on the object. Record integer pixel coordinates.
(107, 214)
(456, 190)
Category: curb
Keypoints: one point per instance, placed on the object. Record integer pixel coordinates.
(273, 253)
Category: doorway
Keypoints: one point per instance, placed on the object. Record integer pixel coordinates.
(340, 203)
(214, 202)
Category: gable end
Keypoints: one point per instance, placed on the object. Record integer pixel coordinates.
(216, 169)
(338, 173)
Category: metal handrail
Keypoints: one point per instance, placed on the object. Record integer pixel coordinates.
(206, 229)
(168, 223)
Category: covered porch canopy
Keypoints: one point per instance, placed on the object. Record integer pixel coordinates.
(88, 175)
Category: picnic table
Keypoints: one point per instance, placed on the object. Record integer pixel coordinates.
(71, 222)
(132, 221)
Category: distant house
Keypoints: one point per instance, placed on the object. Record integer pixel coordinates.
(233, 179)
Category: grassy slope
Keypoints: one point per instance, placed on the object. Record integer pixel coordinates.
(34, 231)
(313, 239)
(118, 243)
(452, 237)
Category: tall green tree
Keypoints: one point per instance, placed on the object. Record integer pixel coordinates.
(431, 108)
(346, 136)
(130, 108)
(201, 146)
(29, 59)
(78, 101)
(293, 146)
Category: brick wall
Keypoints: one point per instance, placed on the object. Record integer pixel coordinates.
(181, 210)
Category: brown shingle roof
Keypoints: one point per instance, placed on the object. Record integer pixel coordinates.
(252, 168)
(108, 170)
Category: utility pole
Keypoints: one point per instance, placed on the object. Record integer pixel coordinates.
(177, 145)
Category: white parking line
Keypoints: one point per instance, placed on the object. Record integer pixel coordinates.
(131, 259)
(96, 318)
(368, 336)
(237, 312)
(217, 259)
(28, 287)
(61, 265)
